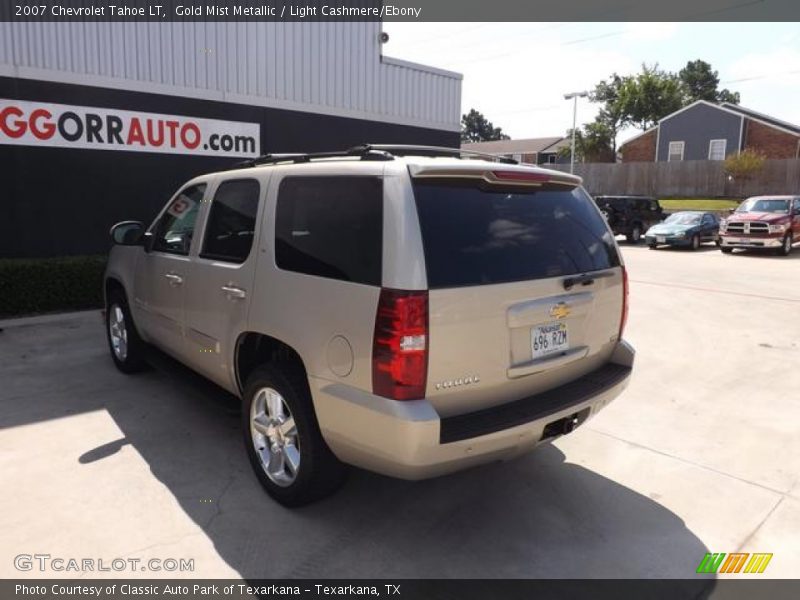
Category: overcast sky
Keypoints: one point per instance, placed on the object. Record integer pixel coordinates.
(516, 73)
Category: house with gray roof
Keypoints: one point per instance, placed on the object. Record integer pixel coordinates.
(537, 151)
(707, 131)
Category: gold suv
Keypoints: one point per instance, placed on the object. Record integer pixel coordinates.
(408, 310)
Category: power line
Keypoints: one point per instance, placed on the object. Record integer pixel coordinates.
(596, 37)
(525, 110)
(766, 76)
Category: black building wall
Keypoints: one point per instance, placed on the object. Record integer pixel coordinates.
(59, 201)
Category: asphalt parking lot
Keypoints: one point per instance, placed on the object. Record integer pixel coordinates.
(701, 454)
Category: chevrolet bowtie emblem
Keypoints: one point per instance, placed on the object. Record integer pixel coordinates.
(560, 310)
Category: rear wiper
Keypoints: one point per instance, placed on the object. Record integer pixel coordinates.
(584, 279)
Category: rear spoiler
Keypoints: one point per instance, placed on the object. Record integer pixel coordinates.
(505, 175)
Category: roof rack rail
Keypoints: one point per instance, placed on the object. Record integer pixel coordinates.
(412, 150)
(372, 152)
(270, 159)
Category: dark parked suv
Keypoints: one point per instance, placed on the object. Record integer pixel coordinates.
(630, 216)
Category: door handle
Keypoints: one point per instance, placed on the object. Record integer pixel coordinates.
(233, 292)
(174, 278)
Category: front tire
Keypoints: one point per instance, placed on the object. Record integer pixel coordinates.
(695, 242)
(127, 348)
(635, 234)
(282, 438)
(786, 247)
(726, 249)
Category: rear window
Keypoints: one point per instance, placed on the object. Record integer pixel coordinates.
(475, 236)
(331, 227)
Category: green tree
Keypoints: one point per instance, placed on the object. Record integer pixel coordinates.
(650, 95)
(612, 115)
(728, 96)
(476, 128)
(702, 83)
(745, 164)
(593, 143)
(642, 100)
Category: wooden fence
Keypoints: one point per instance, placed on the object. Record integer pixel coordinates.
(686, 179)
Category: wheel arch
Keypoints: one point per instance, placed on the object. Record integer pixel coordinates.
(253, 349)
(110, 284)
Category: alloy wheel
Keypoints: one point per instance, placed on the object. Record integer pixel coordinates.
(275, 438)
(118, 332)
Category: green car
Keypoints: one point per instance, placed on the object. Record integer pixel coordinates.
(687, 228)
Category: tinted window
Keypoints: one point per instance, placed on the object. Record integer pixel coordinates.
(616, 203)
(683, 218)
(478, 237)
(331, 227)
(232, 221)
(773, 205)
(174, 230)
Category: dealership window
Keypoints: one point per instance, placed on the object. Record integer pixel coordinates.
(174, 230)
(716, 149)
(331, 227)
(232, 221)
(675, 151)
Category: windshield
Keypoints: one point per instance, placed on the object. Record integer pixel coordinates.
(770, 205)
(478, 236)
(683, 219)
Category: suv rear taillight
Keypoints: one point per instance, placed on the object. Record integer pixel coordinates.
(400, 345)
(624, 318)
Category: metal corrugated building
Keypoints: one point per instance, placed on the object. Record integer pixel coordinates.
(109, 86)
(331, 68)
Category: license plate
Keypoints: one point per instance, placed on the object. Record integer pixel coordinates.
(549, 339)
(660, 239)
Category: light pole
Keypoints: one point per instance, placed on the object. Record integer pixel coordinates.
(574, 97)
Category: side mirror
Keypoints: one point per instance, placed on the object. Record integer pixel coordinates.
(148, 239)
(127, 233)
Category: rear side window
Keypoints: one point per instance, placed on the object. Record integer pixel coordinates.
(232, 221)
(331, 227)
(473, 236)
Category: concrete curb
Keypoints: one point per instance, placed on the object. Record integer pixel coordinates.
(47, 319)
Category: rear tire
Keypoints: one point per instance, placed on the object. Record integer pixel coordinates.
(282, 438)
(726, 250)
(127, 348)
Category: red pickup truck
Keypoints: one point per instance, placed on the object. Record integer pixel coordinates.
(762, 222)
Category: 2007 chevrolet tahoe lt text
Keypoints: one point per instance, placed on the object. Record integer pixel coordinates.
(408, 310)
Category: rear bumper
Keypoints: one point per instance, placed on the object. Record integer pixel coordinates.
(734, 241)
(410, 441)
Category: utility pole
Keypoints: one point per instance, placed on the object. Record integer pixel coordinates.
(574, 97)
